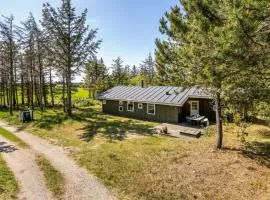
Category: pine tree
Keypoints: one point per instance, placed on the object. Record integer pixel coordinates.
(163, 66)
(147, 69)
(74, 43)
(118, 72)
(8, 32)
(34, 47)
(134, 71)
(96, 75)
(201, 45)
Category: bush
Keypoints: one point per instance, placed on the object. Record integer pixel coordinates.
(83, 102)
(263, 109)
(210, 131)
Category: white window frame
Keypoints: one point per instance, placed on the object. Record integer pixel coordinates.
(104, 102)
(154, 109)
(198, 106)
(140, 106)
(132, 107)
(121, 110)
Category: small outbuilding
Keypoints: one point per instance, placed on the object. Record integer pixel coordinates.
(158, 103)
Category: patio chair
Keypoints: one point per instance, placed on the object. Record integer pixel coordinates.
(205, 122)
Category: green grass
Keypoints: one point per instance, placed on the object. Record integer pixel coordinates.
(77, 93)
(8, 185)
(145, 166)
(135, 166)
(81, 93)
(53, 178)
(13, 138)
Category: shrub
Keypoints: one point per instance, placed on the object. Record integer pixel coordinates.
(83, 102)
(210, 131)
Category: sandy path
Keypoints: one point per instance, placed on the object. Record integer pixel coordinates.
(80, 184)
(23, 165)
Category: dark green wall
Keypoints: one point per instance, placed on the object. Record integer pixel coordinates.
(205, 109)
(163, 113)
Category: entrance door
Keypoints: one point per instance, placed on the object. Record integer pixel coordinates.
(194, 108)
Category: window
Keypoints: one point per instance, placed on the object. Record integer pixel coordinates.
(194, 105)
(104, 102)
(151, 109)
(140, 105)
(121, 103)
(194, 108)
(121, 108)
(130, 106)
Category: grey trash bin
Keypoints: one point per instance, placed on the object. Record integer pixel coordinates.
(26, 115)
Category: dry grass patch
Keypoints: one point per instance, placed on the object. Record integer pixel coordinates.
(154, 167)
(13, 138)
(162, 168)
(53, 178)
(8, 185)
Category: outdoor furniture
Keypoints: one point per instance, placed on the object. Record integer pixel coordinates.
(190, 118)
(205, 122)
(195, 120)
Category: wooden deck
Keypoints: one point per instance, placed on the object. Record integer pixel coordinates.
(180, 130)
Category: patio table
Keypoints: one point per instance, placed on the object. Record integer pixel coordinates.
(197, 120)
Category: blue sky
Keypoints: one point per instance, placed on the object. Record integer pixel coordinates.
(127, 28)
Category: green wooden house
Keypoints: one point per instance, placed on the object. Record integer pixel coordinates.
(158, 103)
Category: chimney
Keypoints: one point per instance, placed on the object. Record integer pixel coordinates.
(142, 83)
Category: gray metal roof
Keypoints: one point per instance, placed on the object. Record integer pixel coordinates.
(154, 94)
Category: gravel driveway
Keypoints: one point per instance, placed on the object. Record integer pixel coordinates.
(23, 165)
(80, 184)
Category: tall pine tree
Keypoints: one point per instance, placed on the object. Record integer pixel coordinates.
(147, 69)
(74, 43)
(201, 47)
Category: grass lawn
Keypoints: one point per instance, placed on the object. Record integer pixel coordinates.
(13, 138)
(77, 93)
(8, 185)
(145, 166)
(53, 178)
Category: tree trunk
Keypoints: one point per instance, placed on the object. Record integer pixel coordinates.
(45, 93)
(51, 88)
(11, 79)
(36, 92)
(218, 121)
(69, 92)
(28, 93)
(245, 112)
(40, 65)
(69, 65)
(22, 89)
(64, 93)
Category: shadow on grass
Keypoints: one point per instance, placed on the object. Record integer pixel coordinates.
(50, 120)
(263, 122)
(113, 129)
(265, 133)
(5, 148)
(257, 151)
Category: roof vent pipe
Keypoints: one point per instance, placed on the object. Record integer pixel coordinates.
(142, 83)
